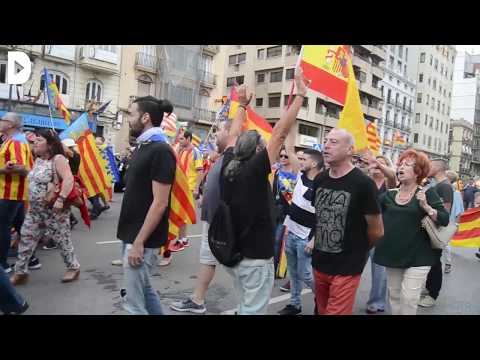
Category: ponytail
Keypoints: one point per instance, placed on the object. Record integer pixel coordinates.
(156, 108)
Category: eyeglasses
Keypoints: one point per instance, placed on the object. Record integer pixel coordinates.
(283, 156)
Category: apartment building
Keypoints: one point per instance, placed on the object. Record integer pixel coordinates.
(268, 70)
(86, 75)
(399, 94)
(461, 136)
(432, 66)
(466, 100)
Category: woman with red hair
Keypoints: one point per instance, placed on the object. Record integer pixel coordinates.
(405, 249)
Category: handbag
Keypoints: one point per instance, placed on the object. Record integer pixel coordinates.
(76, 197)
(439, 235)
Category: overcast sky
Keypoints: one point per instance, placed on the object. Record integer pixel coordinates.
(471, 49)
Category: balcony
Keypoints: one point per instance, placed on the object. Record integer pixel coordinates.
(211, 49)
(145, 62)
(378, 71)
(207, 78)
(204, 115)
(98, 60)
(29, 49)
(389, 123)
(378, 51)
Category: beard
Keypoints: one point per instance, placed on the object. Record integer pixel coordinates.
(135, 133)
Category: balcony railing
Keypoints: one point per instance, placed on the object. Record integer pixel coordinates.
(207, 77)
(211, 48)
(389, 122)
(204, 115)
(146, 61)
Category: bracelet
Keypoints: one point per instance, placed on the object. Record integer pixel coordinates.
(243, 106)
(303, 96)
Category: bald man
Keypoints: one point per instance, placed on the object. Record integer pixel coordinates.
(348, 224)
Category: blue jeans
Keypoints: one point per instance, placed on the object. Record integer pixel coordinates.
(141, 298)
(279, 230)
(10, 300)
(253, 281)
(8, 213)
(378, 293)
(299, 265)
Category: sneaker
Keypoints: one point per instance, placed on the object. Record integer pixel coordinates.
(176, 246)
(286, 287)
(50, 246)
(185, 242)
(424, 293)
(23, 308)
(34, 263)
(290, 310)
(448, 268)
(165, 261)
(117, 262)
(123, 293)
(373, 311)
(188, 305)
(477, 255)
(73, 223)
(427, 302)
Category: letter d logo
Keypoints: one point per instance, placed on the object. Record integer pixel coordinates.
(18, 59)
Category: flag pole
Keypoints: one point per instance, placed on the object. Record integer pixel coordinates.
(45, 89)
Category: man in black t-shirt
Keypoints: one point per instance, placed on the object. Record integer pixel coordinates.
(245, 171)
(143, 222)
(348, 223)
(445, 191)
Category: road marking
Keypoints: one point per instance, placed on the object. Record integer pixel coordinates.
(119, 241)
(272, 301)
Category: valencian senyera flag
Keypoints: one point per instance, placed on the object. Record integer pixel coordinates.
(374, 141)
(92, 169)
(468, 233)
(54, 99)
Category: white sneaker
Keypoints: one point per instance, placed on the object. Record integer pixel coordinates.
(165, 261)
(117, 262)
(427, 302)
(185, 242)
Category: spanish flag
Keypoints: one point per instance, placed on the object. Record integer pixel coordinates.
(327, 67)
(374, 141)
(253, 121)
(468, 233)
(351, 117)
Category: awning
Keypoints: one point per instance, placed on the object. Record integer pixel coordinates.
(40, 121)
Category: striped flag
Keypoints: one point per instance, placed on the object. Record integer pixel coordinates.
(92, 166)
(327, 67)
(399, 139)
(468, 233)
(196, 140)
(54, 100)
(169, 125)
(253, 121)
(374, 141)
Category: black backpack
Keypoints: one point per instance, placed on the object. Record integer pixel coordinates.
(221, 234)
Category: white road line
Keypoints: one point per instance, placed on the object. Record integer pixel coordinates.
(272, 301)
(119, 241)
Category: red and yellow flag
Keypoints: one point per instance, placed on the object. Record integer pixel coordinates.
(399, 139)
(374, 141)
(253, 121)
(327, 67)
(468, 233)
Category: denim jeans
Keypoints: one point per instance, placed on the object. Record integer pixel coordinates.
(253, 281)
(378, 292)
(10, 300)
(8, 213)
(141, 298)
(279, 231)
(299, 265)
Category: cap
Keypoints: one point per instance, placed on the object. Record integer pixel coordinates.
(68, 142)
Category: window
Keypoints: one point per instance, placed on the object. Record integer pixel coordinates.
(289, 74)
(3, 73)
(109, 48)
(400, 50)
(399, 66)
(307, 130)
(261, 78)
(429, 141)
(390, 62)
(435, 143)
(387, 115)
(238, 79)
(436, 125)
(274, 51)
(428, 98)
(145, 86)
(180, 96)
(362, 77)
(420, 78)
(276, 76)
(429, 81)
(431, 122)
(436, 64)
(431, 60)
(438, 105)
(426, 120)
(433, 103)
(410, 105)
(60, 81)
(392, 48)
(285, 101)
(422, 57)
(424, 137)
(404, 102)
(441, 127)
(443, 109)
(273, 100)
(319, 107)
(237, 59)
(389, 94)
(396, 99)
(259, 102)
(415, 138)
(261, 54)
(419, 98)
(417, 118)
(406, 54)
(405, 69)
(434, 84)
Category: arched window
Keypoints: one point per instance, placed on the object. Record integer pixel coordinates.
(144, 85)
(94, 91)
(60, 79)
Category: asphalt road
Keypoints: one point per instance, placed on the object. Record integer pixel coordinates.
(97, 291)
